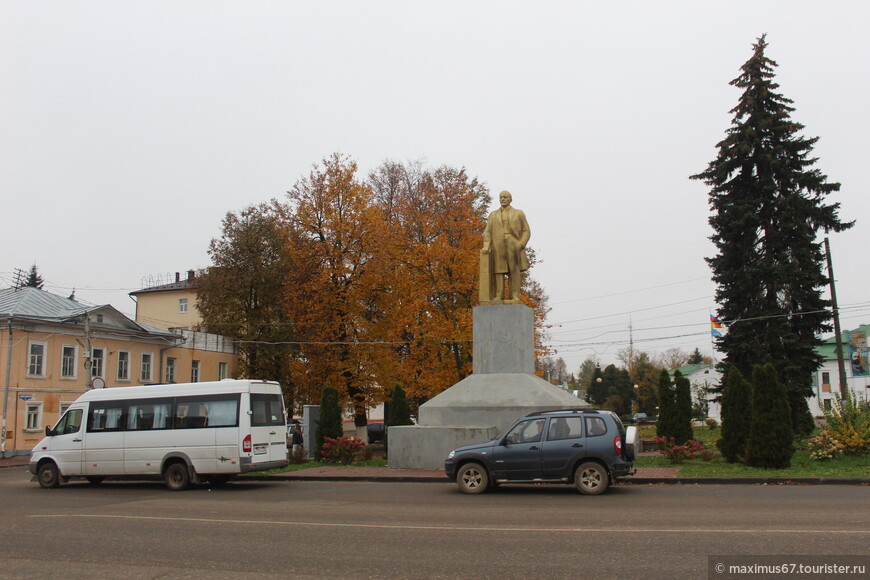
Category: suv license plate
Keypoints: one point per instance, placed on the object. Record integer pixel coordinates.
(261, 448)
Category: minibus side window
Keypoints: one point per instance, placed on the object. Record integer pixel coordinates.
(207, 411)
(71, 422)
(144, 415)
(267, 410)
(105, 417)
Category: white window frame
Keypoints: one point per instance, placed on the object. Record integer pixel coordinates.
(40, 359)
(63, 407)
(170, 370)
(33, 416)
(195, 367)
(223, 369)
(149, 376)
(73, 362)
(124, 365)
(182, 305)
(101, 371)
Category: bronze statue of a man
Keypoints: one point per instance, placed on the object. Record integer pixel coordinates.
(504, 252)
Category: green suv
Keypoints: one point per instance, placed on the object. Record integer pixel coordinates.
(587, 447)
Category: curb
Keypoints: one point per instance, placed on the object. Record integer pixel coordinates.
(628, 481)
(353, 478)
(746, 481)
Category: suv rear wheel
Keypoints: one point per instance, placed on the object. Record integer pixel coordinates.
(472, 478)
(591, 479)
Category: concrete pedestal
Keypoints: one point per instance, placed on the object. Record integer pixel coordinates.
(482, 405)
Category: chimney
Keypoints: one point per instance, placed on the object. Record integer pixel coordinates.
(191, 274)
(178, 276)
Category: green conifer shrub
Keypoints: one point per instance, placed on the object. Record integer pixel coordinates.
(771, 438)
(736, 416)
(330, 423)
(682, 417)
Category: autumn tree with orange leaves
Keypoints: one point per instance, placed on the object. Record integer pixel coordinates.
(431, 233)
(334, 218)
(378, 280)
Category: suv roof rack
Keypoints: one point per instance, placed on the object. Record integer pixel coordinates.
(535, 413)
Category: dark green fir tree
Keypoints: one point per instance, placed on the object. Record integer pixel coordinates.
(667, 401)
(398, 411)
(596, 390)
(771, 439)
(768, 208)
(33, 279)
(682, 416)
(736, 416)
(330, 422)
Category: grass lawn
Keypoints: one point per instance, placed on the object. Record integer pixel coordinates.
(308, 465)
(801, 464)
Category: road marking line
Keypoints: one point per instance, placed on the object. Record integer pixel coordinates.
(458, 528)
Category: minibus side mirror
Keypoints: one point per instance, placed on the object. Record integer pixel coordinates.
(49, 432)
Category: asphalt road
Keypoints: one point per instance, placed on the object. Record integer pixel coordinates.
(281, 529)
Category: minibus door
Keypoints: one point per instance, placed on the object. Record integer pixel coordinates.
(65, 442)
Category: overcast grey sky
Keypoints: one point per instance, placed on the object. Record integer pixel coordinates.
(129, 129)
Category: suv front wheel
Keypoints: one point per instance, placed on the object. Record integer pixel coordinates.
(591, 479)
(472, 478)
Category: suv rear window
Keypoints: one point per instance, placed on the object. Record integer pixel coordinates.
(595, 426)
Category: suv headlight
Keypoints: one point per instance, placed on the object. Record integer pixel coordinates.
(451, 454)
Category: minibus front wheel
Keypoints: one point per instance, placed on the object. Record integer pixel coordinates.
(177, 476)
(48, 475)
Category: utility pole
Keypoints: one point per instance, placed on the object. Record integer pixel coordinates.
(87, 352)
(6, 392)
(841, 365)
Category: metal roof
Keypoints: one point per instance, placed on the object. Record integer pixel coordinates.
(35, 304)
(32, 302)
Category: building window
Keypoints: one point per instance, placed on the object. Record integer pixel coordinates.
(33, 414)
(68, 362)
(123, 365)
(98, 357)
(63, 408)
(194, 371)
(182, 305)
(222, 371)
(170, 370)
(36, 366)
(145, 372)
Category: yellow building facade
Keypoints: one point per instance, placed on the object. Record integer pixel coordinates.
(53, 349)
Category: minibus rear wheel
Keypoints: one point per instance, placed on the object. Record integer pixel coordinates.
(176, 476)
(48, 475)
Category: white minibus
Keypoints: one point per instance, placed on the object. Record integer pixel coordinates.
(186, 433)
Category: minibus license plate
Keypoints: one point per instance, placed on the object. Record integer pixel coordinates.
(261, 448)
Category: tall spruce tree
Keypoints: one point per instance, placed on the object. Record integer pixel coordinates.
(768, 203)
(682, 415)
(736, 416)
(33, 279)
(771, 439)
